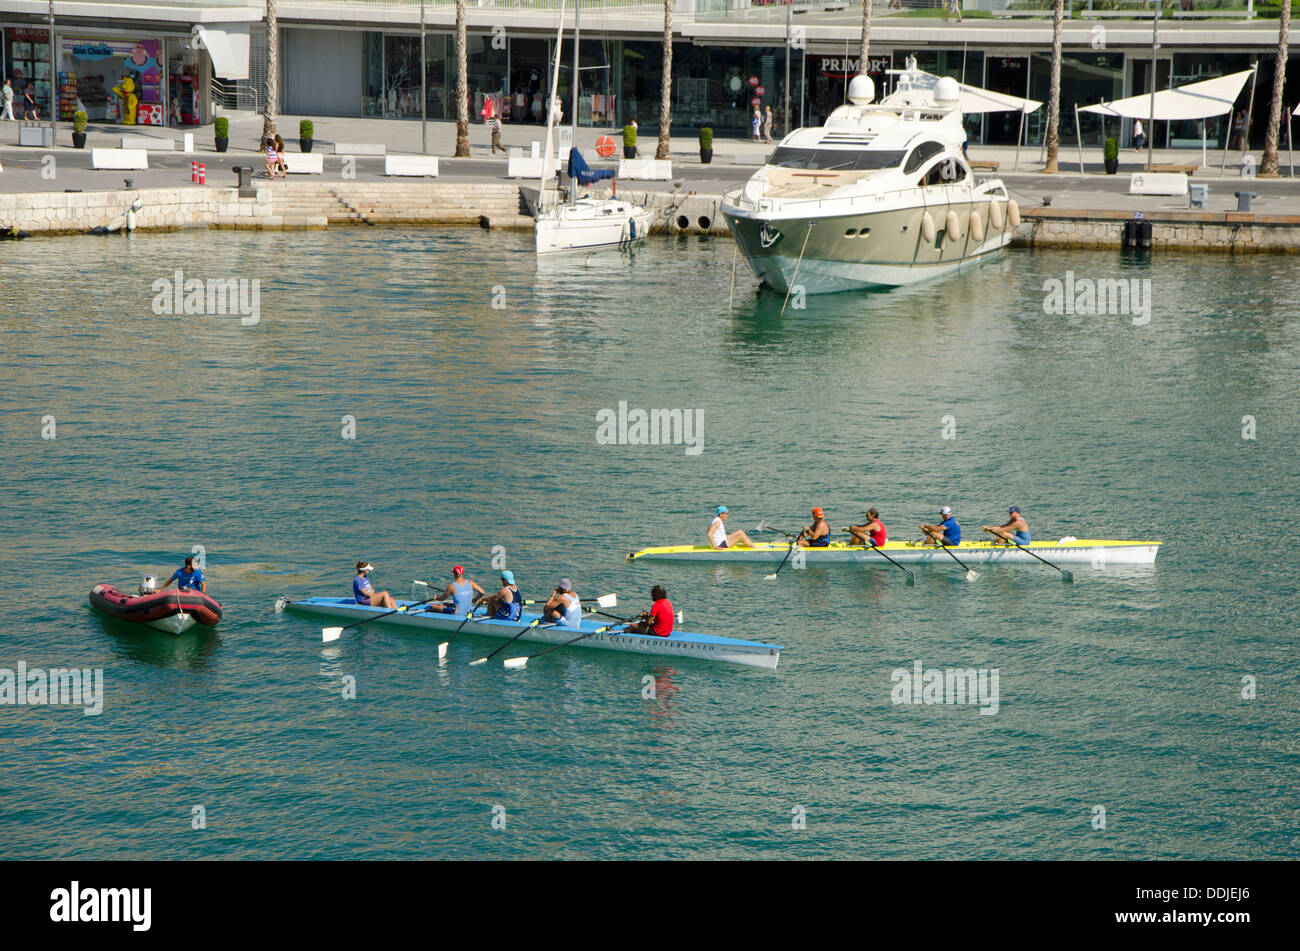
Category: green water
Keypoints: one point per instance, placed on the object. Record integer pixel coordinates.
(474, 377)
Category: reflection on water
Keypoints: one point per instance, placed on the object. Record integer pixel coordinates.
(193, 650)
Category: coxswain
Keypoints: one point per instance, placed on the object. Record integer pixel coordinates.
(718, 537)
(364, 593)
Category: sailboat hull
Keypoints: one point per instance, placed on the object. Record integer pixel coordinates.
(590, 224)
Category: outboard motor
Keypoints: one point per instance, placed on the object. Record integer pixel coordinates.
(149, 585)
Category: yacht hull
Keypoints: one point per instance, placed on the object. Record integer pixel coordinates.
(854, 251)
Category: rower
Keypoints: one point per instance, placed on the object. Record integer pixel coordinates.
(188, 578)
(364, 593)
(946, 533)
(506, 604)
(874, 528)
(1014, 532)
(816, 535)
(659, 619)
(563, 607)
(718, 537)
(460, 596)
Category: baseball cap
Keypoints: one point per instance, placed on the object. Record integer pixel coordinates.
(458, 570)
(945, 511)
(1014, 509)
(565, 584)
(508, 577)
(818, 513)
(721, 510)
(365, 566)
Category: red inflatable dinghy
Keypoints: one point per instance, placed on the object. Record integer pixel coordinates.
(172, 610)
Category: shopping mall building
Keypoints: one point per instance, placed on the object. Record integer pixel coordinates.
(169, 61)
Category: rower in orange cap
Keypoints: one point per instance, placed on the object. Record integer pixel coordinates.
(818, 534)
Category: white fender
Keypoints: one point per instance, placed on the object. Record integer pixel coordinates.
(951, 227)
(1013, 213)
(995, 214)
(976, 226)
(927, 228)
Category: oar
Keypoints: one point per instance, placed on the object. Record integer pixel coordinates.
(332, 633)
(970, 575)
(764, 527)
(523, 661)
(677, 617)
(911, 578)
(442, 648)
(1066, 576)
(536, 623)
(605, 601)
(793, 542)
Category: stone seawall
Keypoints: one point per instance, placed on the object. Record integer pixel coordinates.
(1178, 230)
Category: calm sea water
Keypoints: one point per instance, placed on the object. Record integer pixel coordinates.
(474, 376)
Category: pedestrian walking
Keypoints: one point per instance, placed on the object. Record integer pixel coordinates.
(1239, 129)
(954, 6)
(767, 125)
(496, 135)
(30, 110)
(9, 102)
(757, 122)
(1139, 136)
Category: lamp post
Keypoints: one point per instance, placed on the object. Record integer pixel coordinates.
(1151, 117)
(54, 81)
(424, 91)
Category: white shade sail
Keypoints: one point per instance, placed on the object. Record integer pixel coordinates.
(976, 100)
(1209, 97)
(227, 44)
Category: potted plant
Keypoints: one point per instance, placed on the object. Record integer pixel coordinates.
(1110, 150)
(706, 145)
(305, 133)
(221, 133)
(629, 141)
(79, 129)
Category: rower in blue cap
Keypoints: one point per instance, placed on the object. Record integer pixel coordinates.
(718, 537)
(506, 604)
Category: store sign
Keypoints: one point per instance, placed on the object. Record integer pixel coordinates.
(841, 66)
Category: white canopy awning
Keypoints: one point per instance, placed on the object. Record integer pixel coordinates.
(1209, 97)
(227, 44)
(976, 100)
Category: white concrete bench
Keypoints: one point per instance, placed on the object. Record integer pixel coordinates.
(645, 169)
(145, 142)
(523, 166)
(414, 165)
(1158, 183)
(749, 159)
(304, 163)
(132, 159)
(360, 148)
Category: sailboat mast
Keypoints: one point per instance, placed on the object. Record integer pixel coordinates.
(550, 111)
(573, 120)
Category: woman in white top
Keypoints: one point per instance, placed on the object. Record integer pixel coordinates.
(564, 607)
(718, 537)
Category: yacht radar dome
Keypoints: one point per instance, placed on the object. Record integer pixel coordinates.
(861, 90)
(946, 93)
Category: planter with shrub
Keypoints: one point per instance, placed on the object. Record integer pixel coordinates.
(79, 129)
(221, 133)
(1110, 151)
(706, 145)
(306, 133)
(629, 141)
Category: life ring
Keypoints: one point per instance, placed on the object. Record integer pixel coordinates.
(976, 226)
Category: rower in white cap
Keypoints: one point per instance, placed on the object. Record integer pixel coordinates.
(364, 593)
(947, 532)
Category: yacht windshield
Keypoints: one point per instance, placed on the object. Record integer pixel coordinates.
(834, 160)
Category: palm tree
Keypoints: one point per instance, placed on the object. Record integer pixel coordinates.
(1269, 166)
(666, 87)
(272, 104)
(866, 36)
(462, 84)
(1054, 93)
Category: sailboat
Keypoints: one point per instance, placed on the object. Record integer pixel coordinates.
(585, 223)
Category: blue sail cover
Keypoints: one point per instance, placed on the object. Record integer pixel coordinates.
(585, 175)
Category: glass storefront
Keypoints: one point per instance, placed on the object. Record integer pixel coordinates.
(27, 63)
(112, 80)
(1086, 78)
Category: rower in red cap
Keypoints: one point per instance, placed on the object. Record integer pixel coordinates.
(461, 594)
(818, 534)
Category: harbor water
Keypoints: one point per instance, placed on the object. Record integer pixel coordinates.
(426, 398)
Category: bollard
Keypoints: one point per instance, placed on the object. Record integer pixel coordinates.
(1243, 200)
(194, 173)
(203, 174)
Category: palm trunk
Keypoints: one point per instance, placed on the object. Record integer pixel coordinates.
(462, 84)
(1054, 94)
(866, 37)
(272, 105)
(666, 87)
(1269, 167)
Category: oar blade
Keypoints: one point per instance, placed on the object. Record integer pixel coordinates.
(516, 662)
(608, 600)
(762, 526)
(442, 650)
(1067, 576)
(771, 577)
(475, 663)
(328, 634)
(911, 579)
(971, 575)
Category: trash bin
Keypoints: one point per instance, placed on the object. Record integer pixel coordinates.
(244, 174)
(1198, 196)
(1243, 200)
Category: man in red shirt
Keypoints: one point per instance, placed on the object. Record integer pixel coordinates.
(659, 620)
(873, 528)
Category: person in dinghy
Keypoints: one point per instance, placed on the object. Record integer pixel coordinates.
(188, 578)
(461, 594)
(564, 606)
(363, 592)
(507, 603)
